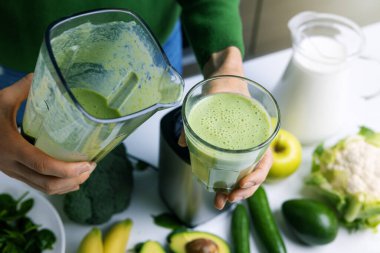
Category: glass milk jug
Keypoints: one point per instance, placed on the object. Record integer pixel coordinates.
(312, 93)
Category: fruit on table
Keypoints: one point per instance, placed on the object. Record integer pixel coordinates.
(240, 229)
(117, 237)
(149, 247)
(92, 242)
(287, 155)
(196, 241)
(312, 221)
(264, 224)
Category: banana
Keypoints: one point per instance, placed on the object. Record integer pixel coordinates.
(92, 242)
(116, 239)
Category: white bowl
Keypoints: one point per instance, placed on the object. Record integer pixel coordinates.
(43, 213)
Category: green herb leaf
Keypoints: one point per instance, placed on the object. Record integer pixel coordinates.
(11, 248)
(167, 220)
(46, 239)
(26, 206)
(18, 233)
(7, 204)
(26, 225)
(141, 165)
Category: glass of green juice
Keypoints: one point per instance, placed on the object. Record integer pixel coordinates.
(228, 132)
(99, 75)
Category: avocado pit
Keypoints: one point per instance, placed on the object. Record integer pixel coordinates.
(201, 246)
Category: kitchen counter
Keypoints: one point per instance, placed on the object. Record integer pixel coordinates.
(266, 70)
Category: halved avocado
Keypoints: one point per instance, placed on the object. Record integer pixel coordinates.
(150, 247)
(180, 242)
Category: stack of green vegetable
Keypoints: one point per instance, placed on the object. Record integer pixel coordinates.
(106, 192)
(264, 224)
(18, 233)
(347, 175)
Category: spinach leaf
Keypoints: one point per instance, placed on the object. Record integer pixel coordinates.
(18, 233)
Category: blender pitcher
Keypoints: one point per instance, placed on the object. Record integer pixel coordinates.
(99, 75)
(312, 93)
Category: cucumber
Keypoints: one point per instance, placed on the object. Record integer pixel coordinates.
(264, 225)
(312, 221)
(240, 229)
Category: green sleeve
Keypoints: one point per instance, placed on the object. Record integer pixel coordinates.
(211, 25)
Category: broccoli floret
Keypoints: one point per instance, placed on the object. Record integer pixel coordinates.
(106, 192)
(77, 206)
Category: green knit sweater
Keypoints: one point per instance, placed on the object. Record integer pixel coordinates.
(210, 25)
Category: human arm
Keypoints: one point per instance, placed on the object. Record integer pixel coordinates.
(23, 161)
(229, 62)
(214, 30)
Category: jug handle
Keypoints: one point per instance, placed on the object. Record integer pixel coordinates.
(377, 61)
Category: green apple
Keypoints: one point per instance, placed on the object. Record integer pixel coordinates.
(287, 155)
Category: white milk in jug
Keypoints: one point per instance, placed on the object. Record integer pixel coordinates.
(312, 91)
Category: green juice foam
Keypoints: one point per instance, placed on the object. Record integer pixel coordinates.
(230, 121)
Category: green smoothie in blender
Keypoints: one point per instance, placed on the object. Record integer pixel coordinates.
(95, 76)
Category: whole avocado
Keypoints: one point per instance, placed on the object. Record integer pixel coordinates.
(106, 192)
(312, 221)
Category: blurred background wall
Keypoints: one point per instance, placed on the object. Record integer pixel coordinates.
(265, 23)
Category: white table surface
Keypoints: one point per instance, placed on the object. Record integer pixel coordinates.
(266, 70)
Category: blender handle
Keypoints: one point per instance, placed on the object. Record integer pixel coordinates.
(377, 61)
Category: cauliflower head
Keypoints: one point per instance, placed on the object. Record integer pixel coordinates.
(347, 175)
